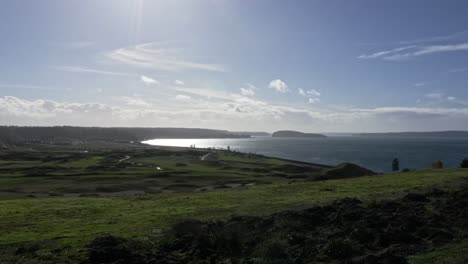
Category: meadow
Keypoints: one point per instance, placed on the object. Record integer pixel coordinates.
(54, 200)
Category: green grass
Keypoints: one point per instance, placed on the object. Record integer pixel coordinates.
(456, 253)
(75, 221)
(41, 169)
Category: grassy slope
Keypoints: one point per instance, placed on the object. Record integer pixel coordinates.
(456, 253)
(82, 173)
(75, 221)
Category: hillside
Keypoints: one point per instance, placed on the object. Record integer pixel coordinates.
(290, 134)
(68, 134)
(59, 204)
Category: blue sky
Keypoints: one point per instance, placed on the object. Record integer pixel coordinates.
(318, 66)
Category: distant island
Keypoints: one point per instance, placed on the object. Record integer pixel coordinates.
(416, 134)
(291, 133)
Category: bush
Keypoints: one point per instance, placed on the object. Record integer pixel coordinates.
(464, 163)
(437, 164)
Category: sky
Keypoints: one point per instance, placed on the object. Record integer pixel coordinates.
(260, 65)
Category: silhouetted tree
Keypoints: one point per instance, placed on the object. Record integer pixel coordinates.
(395, 165)
(464, 163)
(437, 164)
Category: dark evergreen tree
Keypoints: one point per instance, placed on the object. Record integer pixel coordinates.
(464, 163)
(395, 165)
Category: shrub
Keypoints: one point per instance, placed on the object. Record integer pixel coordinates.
(437, 164)
(464, 163)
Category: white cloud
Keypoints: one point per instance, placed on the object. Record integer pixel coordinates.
(279, 86)
(237, 112)
(301, 92)
(182, 97)
(133, 101)
(158, 57)
(148, 80)
(99, 90)
(419, 84)
(407, 52)
(247, 91)
(179, 82)
(435, 95)
(311, 94)
(88, 70)
(314, 100)
(438, 98)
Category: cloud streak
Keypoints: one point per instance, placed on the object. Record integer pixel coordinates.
(92, 71)
(148, 80)
(408, 52)
(158, 57)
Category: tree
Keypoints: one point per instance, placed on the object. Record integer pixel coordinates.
(464, 163)
(395, 165)
(438, 164)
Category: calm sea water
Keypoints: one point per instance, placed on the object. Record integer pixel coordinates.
(373, 153)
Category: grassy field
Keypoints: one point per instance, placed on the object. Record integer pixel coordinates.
(263, 185)
(134, 170)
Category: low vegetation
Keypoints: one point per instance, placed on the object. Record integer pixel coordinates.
(56, 200)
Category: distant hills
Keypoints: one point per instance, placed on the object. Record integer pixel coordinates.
(253, 134)
(291, 133)
(69, 134)
(416, 134)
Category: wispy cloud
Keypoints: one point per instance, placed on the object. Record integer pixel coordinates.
(408, 52)
(182, 97)
(385, 53)
(131, 100)
(313, 100)
(248, 90)
(74, 44)
(31, 87)
(158, 57)
(312, 95)
(279, 86)
(179, 82)
(419, 84)
(148, 80)
(89, 70)
(435, 95)
(440, 98)
(454, 36)
(311, 92)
